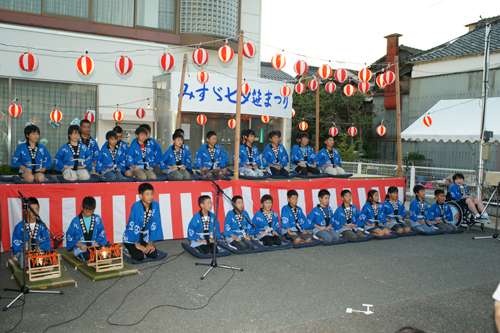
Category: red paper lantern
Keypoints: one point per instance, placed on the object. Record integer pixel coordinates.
(90, 117)
(380, 81)
(285, 91)
(293, 112)
(56, 116)
(427, 121)
(325, 72)
(365, 75)
(249, 50)
(330, 87)
(231, 123)
(140, 113)
(340, 75)
(15, 110)
(123, 65)
(363, 86)
(28, 62)
(303, 126)
(202, 77)
(349, 90)
(300, 67)
(352, 131)
(200, 56)
(313, 85)
(300, 88)
(166, 61)
(118, 116)
(389, 77)
(201, 119)
(265, 119)
(381, 130)
(226, 54)
(278, 62)
(333, 131)
(245, 89)
(85, 64)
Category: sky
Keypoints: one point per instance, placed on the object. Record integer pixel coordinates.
(352, 32)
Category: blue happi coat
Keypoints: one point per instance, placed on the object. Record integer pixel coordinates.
(244, 159)
(65, 157)
(268, 156)
(22, 157)
(297, 156)
(42, 236)
(226, 156)
(456, 193)
(386, 209)
(94, 148)
(435, 212)
(75, 235)
(260, 222)
(168, 159)
(416, 211)
(288, 219)
(339, 219)
(153, 231)
(368, 214)
(323, 159)
(231, 226)
(134, 155)
(105, 161)
(195, 227)
(315, 216)
(202, 157)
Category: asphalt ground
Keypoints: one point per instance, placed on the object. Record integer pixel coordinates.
(437, 283)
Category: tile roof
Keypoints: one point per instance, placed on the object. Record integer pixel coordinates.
(267, 71)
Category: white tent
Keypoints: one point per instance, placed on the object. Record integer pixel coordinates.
(456, 120)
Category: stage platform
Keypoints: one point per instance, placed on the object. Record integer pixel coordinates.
(60, 203)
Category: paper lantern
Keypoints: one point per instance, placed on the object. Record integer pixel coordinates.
(293, 112)
(303, 126)
(352, 131)
(265, 119)
(300, 67)
(201, 119)
(245, 89)
(380, 81)
(231, 123)
(140, 113)
(213, 124)
(300, 88)
(330, 87)
(313, 85)
(123, 65)
(226, 54)
(166, 61)
(278, 62)
(340, 75)
(15, 110)
(118, 116)
(28, 62)
(249, 50)
(365, 75)
(333, 131)
(200, 56)
(325, 72)
(202, 77)
(389, 77)
(427, 121)
(381, 130)
(56, 116)
(285, 91)
(363, 86)
(90, 117)
(85, 64)
(349, 90)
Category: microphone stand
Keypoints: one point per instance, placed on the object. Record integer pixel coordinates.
(214, 263)
(24, 288)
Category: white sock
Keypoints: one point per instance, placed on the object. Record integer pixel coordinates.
(477, 215)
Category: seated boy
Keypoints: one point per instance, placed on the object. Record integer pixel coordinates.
(143, 226)
(267, 224)
(85, 230)
(74, 159)
(321, 218)
(210, 159)
(31, 158)
(440, 213)
(460, 192)
(201, 226)
(329, 159)
(293, 220)
(346, 218)
(36, 234)
(140, 157)
(89, 141)
(275, 157)
(249, 155)
(111, 162)
(237, 228)
(419, 211)
(155, 147)
(186, 149)
(123, 146)
(302, 156)
(177, 159)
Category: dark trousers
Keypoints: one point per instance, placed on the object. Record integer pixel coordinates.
(243, 245)
(138, 254)
(282, 172)
(207, 249)
(271, 240)
(306, 170)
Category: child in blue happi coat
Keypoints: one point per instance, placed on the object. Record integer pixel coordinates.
(293, 221)
(302, 156)
(275, 157)
(328, 158)
(177, 159)
(155, 147)
(249, 155)
(89, 141)
(201, 226)
(111, 161)
(460, 192)
(141, 155)
(370, 215)
(321, 219)
(123, 146)
(74, 158)
(392, 212)
(267, 223)
(347, 218)
(419, 211)
(440, 213)
(210, 159)
(237, 229)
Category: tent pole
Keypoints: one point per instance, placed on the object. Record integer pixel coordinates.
(398, 118)
(238, 107)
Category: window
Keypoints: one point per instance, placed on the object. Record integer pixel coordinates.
(115, 12)
(28, 6)
(210, 17)
(75, 8)
(159, 14)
